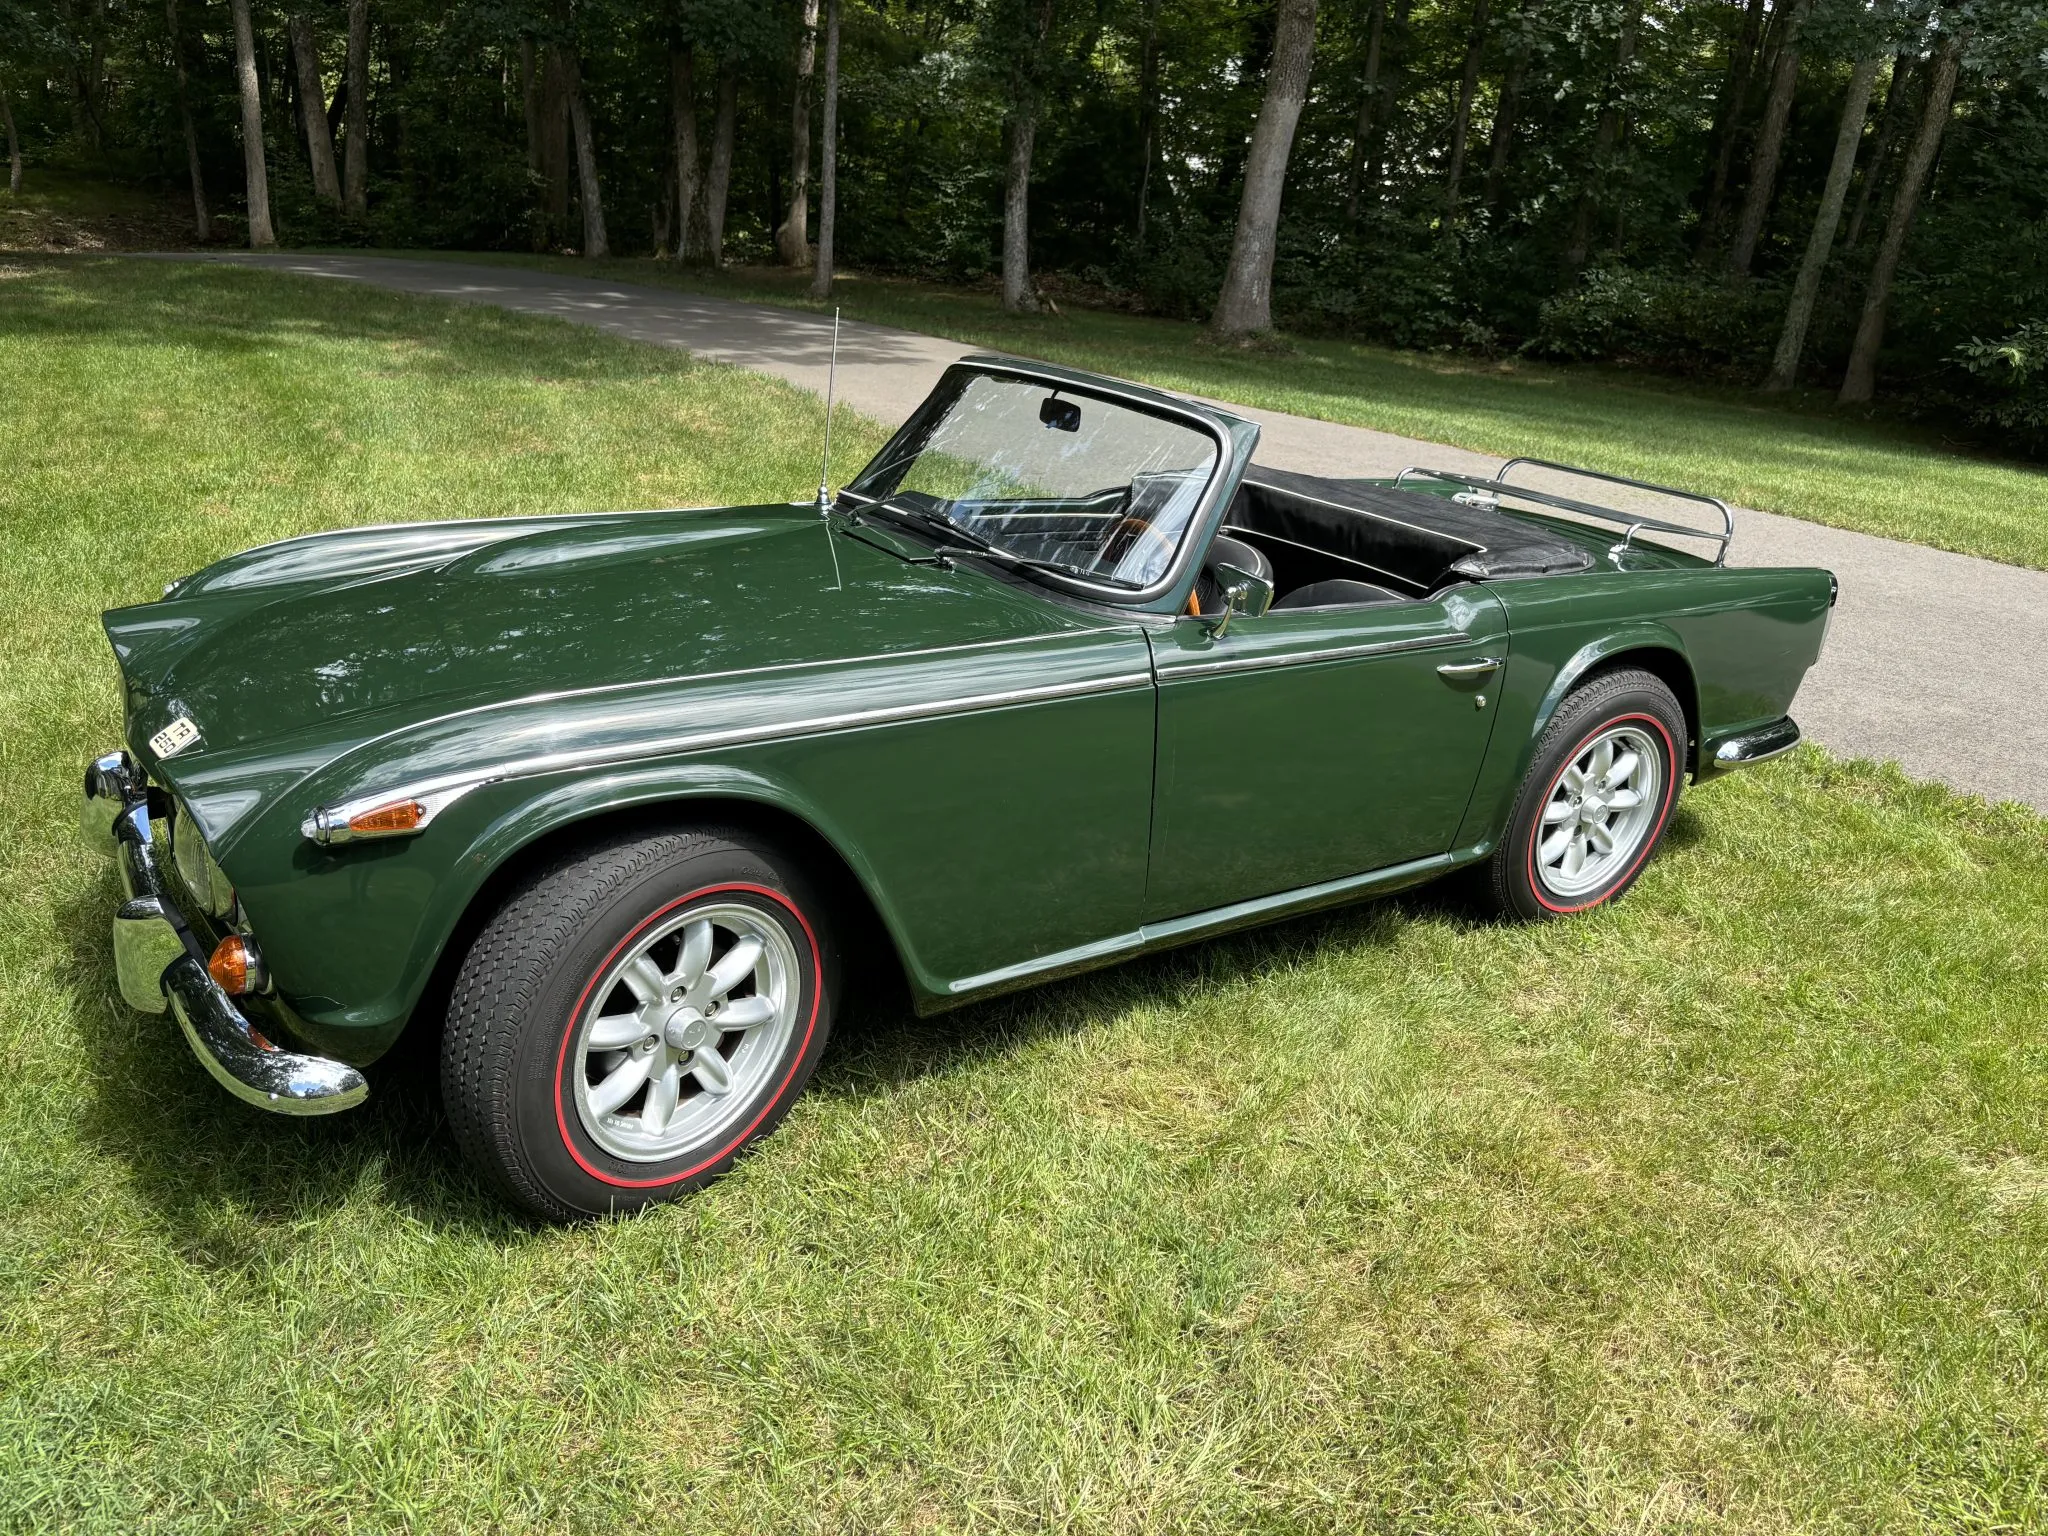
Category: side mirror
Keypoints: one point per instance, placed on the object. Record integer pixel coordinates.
(1243, 593)
(1060, 415)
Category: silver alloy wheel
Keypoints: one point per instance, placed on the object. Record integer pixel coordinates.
(683, 1030)
(1601, 811)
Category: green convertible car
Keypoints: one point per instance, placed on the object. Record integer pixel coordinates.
(1061, 677)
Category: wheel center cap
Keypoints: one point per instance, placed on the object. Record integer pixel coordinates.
(686, 1029)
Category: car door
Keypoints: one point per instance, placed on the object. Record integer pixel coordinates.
(1311, 744)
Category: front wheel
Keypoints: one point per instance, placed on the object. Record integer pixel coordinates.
(1599, 795)
(633, 1018)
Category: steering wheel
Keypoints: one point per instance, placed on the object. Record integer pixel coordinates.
(1138, 529)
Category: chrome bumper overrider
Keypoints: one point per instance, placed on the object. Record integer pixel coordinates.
(161, 963)
(1759, 745)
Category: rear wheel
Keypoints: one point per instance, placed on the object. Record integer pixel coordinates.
(633, 1018)
(1599, 795)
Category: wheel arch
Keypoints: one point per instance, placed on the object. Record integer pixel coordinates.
(546, 828)
(1655, 650)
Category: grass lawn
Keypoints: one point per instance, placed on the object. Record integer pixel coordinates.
(1725, 1210)
(1802, 458)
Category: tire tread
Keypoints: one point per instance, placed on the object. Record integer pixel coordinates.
(491, 1002)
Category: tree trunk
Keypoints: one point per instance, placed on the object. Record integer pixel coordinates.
(1468, 87)
(594, 242)
(260, 233)
(792, 239)
(1728, 122)
(529, 102)
(202, 220)
(1020, 132)
(555, 156)
(828, 157)
(1860, 381)
(1363, 145)
(719, 182)
(1605, 137)
(1017, 293)
(1503, 137)
(1799, 311)
(1393, 72)
(1148, 112)
(313, 110)
(1896, 96)
(355, 153)
(682, 69)
(1770, 147)
(14, 151)
(1245, 307)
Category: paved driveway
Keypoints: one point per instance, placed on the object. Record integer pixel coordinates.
(1937, 660)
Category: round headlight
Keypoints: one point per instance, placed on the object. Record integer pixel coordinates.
(204, 879)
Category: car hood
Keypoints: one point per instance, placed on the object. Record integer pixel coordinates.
(301, 650)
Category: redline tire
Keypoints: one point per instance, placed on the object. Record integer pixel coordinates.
(534, 1053)
(1635, 714)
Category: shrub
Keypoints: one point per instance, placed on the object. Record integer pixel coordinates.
(1679, 322)
(2012, 373)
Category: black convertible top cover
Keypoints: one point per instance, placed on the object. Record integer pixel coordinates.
(1502, 546)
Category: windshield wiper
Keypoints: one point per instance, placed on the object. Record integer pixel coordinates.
(946, 530)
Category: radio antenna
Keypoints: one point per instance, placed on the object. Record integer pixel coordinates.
(831, 380)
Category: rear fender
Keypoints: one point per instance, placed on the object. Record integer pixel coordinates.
(1533, 689)
(1591, 657)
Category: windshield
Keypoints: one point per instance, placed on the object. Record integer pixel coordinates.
(1101, 489)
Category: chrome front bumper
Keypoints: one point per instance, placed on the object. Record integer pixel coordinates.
(161, 963)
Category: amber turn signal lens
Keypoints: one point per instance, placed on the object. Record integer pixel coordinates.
(387, 820)
(236, 966)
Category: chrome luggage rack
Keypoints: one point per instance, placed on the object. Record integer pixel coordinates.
(1487, 493)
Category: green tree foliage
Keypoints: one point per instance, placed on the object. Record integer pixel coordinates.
(1584, 223)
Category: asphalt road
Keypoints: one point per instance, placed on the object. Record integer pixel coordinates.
(1937, 660)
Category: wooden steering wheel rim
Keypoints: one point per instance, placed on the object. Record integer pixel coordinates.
(1144, 530)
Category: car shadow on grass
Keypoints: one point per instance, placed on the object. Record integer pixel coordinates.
(220, 1173)
(230, 1181)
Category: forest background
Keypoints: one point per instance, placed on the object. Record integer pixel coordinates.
(1839, 196)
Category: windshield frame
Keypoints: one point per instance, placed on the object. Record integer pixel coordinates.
(915, 432)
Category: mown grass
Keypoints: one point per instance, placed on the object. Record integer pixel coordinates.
(1801, 457)
(1725, 1210)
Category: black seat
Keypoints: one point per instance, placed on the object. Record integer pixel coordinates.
(1337, 594)
(1224, 550)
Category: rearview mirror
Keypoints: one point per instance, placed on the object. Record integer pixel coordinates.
(1244, 592)
(1060, 415)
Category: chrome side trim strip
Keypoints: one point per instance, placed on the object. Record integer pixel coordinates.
(357, 804)
(437, 794)
(1217, 920)
(730, 673)
(1307, 658)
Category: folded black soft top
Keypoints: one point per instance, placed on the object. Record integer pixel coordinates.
(1482, 542)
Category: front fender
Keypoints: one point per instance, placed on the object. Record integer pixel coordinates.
(353, 934)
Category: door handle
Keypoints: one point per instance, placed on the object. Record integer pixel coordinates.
(1462, 671)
